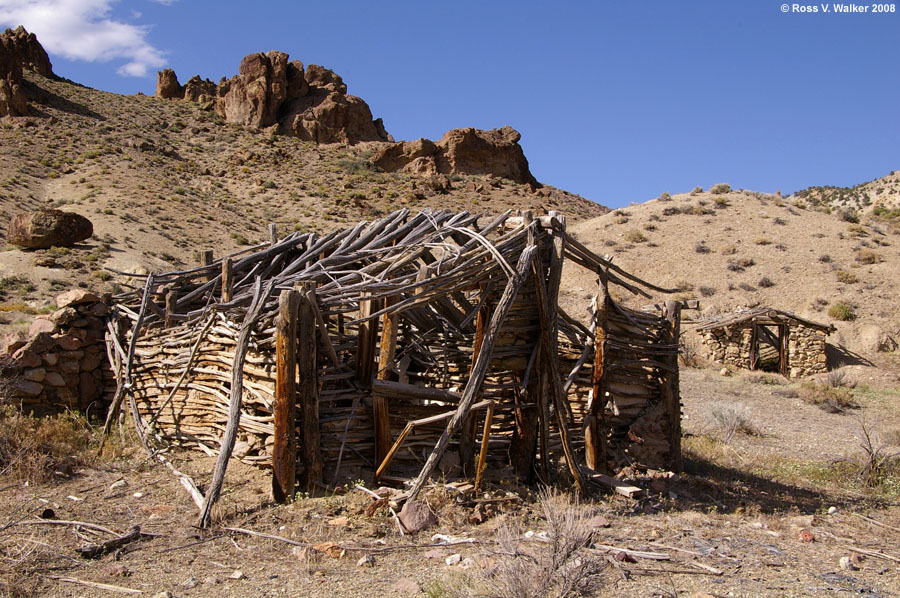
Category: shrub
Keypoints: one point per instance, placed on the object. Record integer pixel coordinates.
(560, 567)
(840, 378)
(765, 282)
(849, 215)
(867, 256)
(846, 277)
(841, 311)
(696, 190)
(671, 210)
(665, 196)
(701, 247)
(740, 264)
(833, 399)
(720, 188)
(729, 249)
(721, 202)
(707, 291)
(635, 236)
(745, 286)
(731, 419)
(825, 258)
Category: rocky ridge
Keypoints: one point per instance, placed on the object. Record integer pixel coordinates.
(272, 91)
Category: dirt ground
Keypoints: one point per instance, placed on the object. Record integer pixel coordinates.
(747, 518)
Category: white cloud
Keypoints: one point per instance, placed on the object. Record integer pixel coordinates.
(83, 30)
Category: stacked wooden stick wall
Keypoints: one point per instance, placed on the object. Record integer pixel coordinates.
(400, 347)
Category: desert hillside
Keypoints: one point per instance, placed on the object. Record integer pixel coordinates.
(740, 248)
(880, 197)
(161, 179)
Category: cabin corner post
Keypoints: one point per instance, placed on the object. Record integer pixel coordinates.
(284, 449)
(595, 432)
(671, 393)
(308, 386)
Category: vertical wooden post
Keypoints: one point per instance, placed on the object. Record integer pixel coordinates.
(595, 432)
(227, 279)
(273, 233)
(670, 387)
(284, 450)
(754, 346)
(784, 349)
(548, 310)
(386, 356)
(528, 412)
(171, 299)
(308, 386)
(367, 335)
(482, 454)
(206, 259)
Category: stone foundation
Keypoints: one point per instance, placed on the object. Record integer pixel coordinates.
(62, 364)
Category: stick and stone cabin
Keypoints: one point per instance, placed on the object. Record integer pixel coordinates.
(413, 346)
(768, 339)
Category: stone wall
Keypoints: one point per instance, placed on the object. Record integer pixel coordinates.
(62, 363)
(731, 346)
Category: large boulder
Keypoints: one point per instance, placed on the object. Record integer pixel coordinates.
(167, 86)
(48, 228)
(461, 151)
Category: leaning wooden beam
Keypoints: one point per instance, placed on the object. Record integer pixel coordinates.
(308, 387)
(399, 390)
(284, 449)
(412, 425)
(473, 386)
(485, 438)
(234, 406)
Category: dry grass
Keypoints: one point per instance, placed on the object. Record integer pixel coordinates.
(833, 399)
(730, 419)
(559, 567)
(37, 449)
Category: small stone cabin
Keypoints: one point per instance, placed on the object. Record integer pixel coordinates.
(768, 339)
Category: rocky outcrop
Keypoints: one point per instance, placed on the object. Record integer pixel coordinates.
(61, 364)
(48, 228)
(19, 50)
(167, 86)
(270, 90)
(461, 151)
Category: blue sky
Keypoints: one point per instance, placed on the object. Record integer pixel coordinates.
(616, 101)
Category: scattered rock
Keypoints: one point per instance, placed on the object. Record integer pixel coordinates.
(416, 516)
(873, 339)
(847, 565)
(366, 560)
(806, 536)
(42, 325)
(190, 583)
(832, 510)
(76, 297)
(117, 570)
(597, 522)
(435, 553)
(19, 50)
(339, 522)
(237, 575)
(329, 548)
(48, 228)
(453, 559)
(118, 484)
(164, 594)
(724, 372)
(406, 587)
